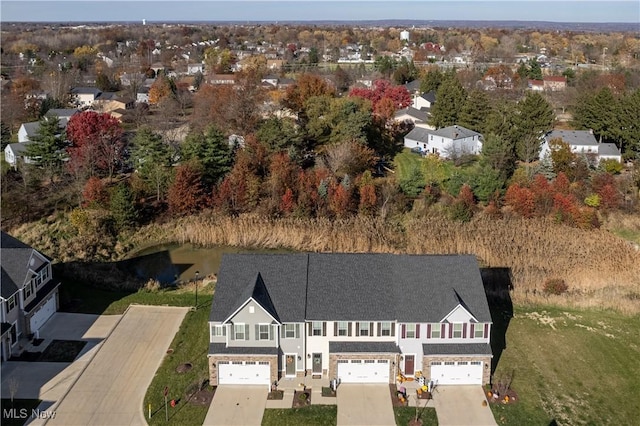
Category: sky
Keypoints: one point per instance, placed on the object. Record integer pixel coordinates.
(156, 11)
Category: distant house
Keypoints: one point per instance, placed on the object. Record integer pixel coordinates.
(83, 97)
(29, 293)
(195, 68)
(424, 101)
(222, 79)
(582, 142)
(555, 83)
(536, 85)
(447, 142)
(410, 114)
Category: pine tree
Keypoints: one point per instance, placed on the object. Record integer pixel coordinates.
(534, 118)
(451, 97)
(475, 111)
(212, 150)
(46, 149)
(123, 208)
(152, 159)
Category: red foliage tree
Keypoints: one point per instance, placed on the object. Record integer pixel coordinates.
(384, 90)
(561, 184)
(542, 195)
(287, 201)
(186, 193)
(95, 192)
(368, 199)
(97, 144)
(610, 197)
(565, 208)
(520, 199)
(340, 198)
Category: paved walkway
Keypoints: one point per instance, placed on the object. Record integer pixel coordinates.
(111, 389)
(365, 405)
(237, 405)
(462, 405)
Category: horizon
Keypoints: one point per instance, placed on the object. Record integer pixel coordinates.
(298, 11)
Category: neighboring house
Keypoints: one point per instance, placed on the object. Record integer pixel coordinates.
(424, 101)
(360, 318)
(555, 83)
(447, 142)
(63, 114)
(142, 95)
(222, 79)
(27, 131)
(582, 142)
(536, 85)
(417, 117)
(29, 292)
(83, 97)
(195, 69)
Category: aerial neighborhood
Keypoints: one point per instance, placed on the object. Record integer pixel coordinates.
(367, 222)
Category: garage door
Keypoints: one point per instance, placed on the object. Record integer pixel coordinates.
(244, 373)
(457, 373)
(363, 371)
(43, 314)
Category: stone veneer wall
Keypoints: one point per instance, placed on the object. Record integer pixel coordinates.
(213, 359)
(486, 360)
(333, 363)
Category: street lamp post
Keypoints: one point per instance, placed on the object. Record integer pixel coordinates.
(197, 273)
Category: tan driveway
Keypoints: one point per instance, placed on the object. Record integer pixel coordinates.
(237, 405)
(110, 391)
(365, 405)
(462, 405)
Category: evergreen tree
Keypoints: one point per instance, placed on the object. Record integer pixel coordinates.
(451, 97)
(499, 154)
(601, 113)
(413, 184)
(123, 208)
(535, 70)
(533, 119)
(5, 135)
(46, 149)
(630, 125)
(212, 151)
(152, 159)
(475, 111)
(431, 81)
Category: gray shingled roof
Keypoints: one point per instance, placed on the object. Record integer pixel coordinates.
(419, 134)
(31, 128)
(86, 90)
(608, 149)
(284, 275)
(15, 264)
(19, 148)
(573, 137)
(364, 347)
(412, 112)
(352, 287)
(222, 349)
(259, 292)
(457, 349)
(452, 132)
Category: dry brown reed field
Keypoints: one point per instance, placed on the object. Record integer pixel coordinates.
(601, 269)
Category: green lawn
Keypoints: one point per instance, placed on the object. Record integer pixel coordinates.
(313, 415)
(405, 414)
(574, 367)
(404, 162)
(16, 413)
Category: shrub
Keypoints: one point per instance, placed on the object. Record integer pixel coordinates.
(592, 200)
(555, 286)
(611, 166)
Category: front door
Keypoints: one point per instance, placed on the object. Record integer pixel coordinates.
(317, 363)
(290, 362)
(409, 365)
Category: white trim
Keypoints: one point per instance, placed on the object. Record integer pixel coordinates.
(459, 305)
(245, 304)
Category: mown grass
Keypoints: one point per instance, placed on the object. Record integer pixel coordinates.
(571, 366)
(406, 161)
(404, 415)
(313, 415)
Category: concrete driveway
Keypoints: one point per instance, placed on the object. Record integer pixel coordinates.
(462, 405)
(365, 405)
(49, 381)
(111, 388)
(237, 405)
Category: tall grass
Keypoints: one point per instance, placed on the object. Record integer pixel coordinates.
(601, 269)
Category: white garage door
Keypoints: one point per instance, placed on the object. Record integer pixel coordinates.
(363, 371)
(45, 312)
(457, 373)
(244, 373)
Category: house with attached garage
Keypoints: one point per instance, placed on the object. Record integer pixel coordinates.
(29, 294)
(358, 318)
(447, 142)
(581, 142)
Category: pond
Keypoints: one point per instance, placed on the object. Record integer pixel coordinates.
(174, 262)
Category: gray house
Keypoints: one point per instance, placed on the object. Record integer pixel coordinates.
(29, 294)
(361, 318)
(447, 142)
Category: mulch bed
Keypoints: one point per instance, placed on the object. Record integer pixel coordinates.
(423, 395)
(183, 368)
(202, 397)
(275, 394)
(510, 397)
(62, 351)
(26, 356)
(395, 401)
(327, 391)
(301, 399)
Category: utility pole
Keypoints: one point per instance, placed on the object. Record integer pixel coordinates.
(604, 51)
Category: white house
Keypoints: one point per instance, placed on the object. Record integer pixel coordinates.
(447, 142)
(582, 142)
